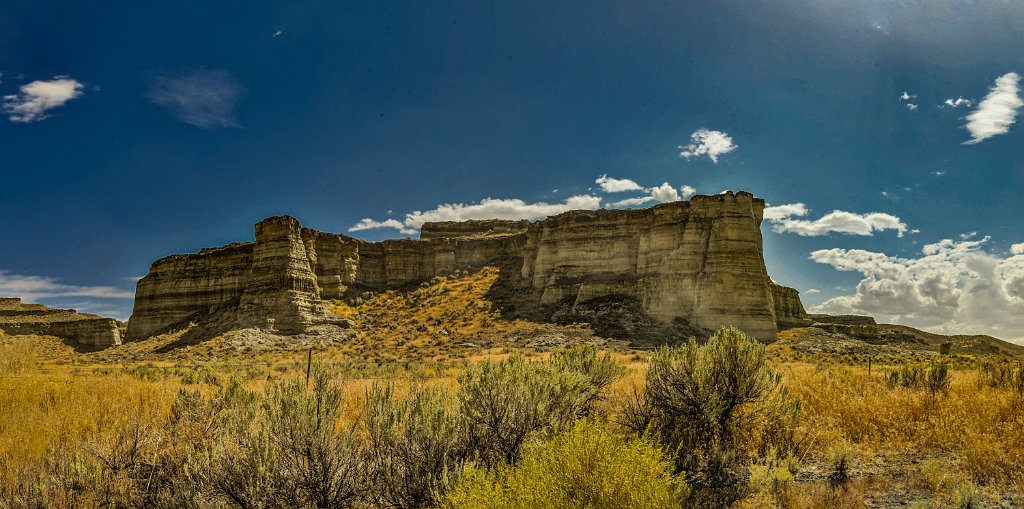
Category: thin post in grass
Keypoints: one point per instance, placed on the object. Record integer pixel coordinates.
(309, 365)
(869, 365)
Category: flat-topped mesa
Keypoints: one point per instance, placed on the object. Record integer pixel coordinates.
(696, 262)
(82, 329)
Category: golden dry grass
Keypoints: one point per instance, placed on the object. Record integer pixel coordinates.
(909, 445)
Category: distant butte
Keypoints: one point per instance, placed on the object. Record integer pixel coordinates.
(83, 330)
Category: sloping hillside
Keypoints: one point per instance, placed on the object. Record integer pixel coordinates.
(889, 339)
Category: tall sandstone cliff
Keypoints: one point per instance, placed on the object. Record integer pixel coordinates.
(697, 262)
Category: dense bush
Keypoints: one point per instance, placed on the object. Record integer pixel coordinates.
(505, 403)
(601, 369)
(417, 445)
(585, 466)
(703, 403)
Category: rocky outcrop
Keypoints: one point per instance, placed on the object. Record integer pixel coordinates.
(472, 228)
(84, 330)
(843, 319)
(789, 311)
(697, 264)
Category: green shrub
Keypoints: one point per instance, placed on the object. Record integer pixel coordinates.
(601, 369)
(318, 460)
(704, 401)
(969, 496)
(506, 402)
(417, 445)
(934, 378)
(841, 457)
(290, 449)
(584, 467)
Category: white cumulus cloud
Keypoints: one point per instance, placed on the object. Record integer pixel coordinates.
(784, 220)
(708, 143)
(614, 185)
(661, 194)
(372, 224)
(204, 98)
(488, 208)
(953, 287)
(997, 111)
(34, 100)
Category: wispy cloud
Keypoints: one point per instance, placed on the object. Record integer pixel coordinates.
(910, 106)
(997, 111)
(958, 102)
(204, 98)
(783, 220)
(906, 96)
(708, 143)
(34, 100)
(33, 288)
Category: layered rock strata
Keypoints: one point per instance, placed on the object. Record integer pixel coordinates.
(696, 262)
(84, 330)
(789, 311)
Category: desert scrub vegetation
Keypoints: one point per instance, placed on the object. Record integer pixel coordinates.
(301, 443)
(577, 426)
(706, 404)
(586, 466)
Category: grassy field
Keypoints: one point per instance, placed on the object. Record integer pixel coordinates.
(133, 425)
(900, 444)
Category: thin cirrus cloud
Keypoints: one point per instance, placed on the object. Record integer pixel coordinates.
(787, 219)
(951, 287)
(35, 100)
(705, 142)
(33, 288)
(997, 111)
(205, 98)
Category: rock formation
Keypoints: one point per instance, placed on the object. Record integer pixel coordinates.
(789, 311)
(85, 330)
(695, 263)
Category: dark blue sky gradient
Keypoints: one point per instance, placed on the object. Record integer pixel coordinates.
(363, 107)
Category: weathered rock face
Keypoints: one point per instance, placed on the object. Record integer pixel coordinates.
(843, 319)
(472, 228)
(789, 311)
(85, 330)
(697, 262)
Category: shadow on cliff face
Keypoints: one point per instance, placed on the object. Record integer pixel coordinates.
(613, 316)
(201, 327)
(622, 317)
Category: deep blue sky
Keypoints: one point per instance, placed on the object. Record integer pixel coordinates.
(346, 110)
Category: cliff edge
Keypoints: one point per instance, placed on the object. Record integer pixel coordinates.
(694, 265)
